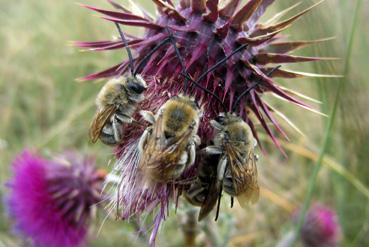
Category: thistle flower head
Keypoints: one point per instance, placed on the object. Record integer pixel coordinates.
(205, 32)
(192, 38)
(321, 227)
(51, 201)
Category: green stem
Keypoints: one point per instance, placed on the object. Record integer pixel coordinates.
(329, 127)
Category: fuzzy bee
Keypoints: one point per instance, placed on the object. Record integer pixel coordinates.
(116, 103)
(235, 145)
(168, 146)
(229, 164)
(237, 169)
(118, 99)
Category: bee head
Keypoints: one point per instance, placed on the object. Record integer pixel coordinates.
(180, 113)
(238, 130)
(136, 85)
(230, 127)
(187, 100)
(221, 118)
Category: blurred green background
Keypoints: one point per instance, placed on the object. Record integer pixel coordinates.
(43, 108)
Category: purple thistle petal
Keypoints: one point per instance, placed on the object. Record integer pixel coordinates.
(94, 44)
(135, 23)
(103, 74)
(198, 6)
(105, 45)
(229, 9)
(184, 3)
(259, 12)
(243, 14)
(271, 117)
(255, 41)
(287, 46)
(222, 31)
(212, 6)
(255, 107)
(284, 74)
(119, 6)
(169, 10)
(285, 23)
(118, 15)
(265, 58)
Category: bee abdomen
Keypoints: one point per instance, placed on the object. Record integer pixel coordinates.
(196, 194)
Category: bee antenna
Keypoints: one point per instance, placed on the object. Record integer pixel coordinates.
(184, 72)
(180, 58)
(238, 100)
(206, 90)
(148, 55)
(215, 66)
(220, 194)
(218, 204)
(130, 57)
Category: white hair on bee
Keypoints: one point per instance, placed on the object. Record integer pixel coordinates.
(130, 195)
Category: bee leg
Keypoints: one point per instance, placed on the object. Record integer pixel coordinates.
(213, 150)
(123, 118)
(222, 168)
(183, 159)
(228, 185)
(117, 129)
(222, 165)
(148, 116)
(181, 165)
(196, 194)
(143, 140)
(218, 205)
(107, 135)
(191, 154)
(197, 140)
(216, 125)
(108, 130)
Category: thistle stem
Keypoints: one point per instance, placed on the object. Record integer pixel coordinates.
(190, 228)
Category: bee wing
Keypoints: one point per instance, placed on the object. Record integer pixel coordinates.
(160, 155)
(100, 119)
(211, 198)
(244, 176)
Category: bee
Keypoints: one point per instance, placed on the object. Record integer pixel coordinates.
(118, 99)
(228, 165)
(235, 144)
(169, 144)
(237, 168)
(116, 103)
(204, 191)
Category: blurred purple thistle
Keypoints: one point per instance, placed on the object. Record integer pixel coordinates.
(51, 201)
(321, 228)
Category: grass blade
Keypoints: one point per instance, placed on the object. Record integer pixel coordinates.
(329, 127)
